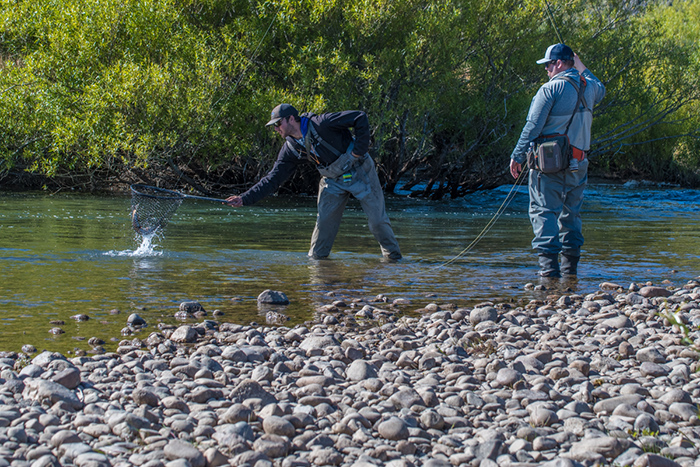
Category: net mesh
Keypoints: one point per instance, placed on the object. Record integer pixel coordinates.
(152, 208)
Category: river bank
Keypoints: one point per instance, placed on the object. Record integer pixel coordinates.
(605, 378)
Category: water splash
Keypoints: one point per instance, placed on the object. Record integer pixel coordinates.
(146, 249)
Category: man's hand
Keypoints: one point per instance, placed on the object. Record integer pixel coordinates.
(578, 64)
(234, 201)
(515, 168)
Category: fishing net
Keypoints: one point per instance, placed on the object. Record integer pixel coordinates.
(152, 208)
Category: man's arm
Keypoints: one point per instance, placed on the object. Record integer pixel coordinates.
(590, 79)
(284, 167)
(355, 119)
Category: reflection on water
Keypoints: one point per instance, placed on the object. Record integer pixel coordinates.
(67, 254)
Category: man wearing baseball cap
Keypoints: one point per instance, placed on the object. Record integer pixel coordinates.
(556, 198)
(346, 170)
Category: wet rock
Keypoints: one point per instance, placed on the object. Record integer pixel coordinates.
(134, 320)
(191, 307)
(273, 297)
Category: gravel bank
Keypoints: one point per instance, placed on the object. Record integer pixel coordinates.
(610, 378)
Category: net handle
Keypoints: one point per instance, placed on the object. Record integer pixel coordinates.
(169, 194)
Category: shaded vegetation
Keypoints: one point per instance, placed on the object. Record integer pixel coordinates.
(176, 92)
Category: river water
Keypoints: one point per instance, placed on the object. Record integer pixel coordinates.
(68, 254)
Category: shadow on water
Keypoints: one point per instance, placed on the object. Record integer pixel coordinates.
(65, 255)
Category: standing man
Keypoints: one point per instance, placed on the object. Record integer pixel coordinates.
(556, 198)
(345, 167)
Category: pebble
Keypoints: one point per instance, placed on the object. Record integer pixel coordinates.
(562, 381)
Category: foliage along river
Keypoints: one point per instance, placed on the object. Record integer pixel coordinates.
(68, 254)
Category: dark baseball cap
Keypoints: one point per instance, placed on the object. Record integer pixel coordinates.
(557, 52)
(281, 111)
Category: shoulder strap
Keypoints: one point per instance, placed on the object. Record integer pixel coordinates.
(579, 90)
(314, 132)
(294, 150)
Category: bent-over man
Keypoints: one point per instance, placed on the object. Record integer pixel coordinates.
(345, 166)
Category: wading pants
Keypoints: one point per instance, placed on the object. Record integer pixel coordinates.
(555, 210)
(333, 194)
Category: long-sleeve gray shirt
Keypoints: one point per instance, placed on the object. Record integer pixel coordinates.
(551, 109)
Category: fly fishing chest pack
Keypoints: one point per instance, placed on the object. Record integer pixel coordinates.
(552, 153)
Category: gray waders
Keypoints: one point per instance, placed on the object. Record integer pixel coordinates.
(362, 182)
(555, 214)
(348, 175)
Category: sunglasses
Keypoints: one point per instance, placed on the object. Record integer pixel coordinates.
(278, 123)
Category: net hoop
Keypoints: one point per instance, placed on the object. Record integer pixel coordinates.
(155, 192)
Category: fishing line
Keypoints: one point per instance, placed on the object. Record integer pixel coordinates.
(235, 87)
(485, 230)
(554, 24)
(518, 181)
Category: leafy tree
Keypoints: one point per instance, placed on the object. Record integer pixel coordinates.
(178, 91)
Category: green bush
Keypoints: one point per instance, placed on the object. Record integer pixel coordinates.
(180, 90)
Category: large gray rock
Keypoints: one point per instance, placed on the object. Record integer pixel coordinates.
(606, 446)
(46, 357)
(273, 297)
(650, 354)
(685, 411)
(135, 320)
(393, 429)
(50, 392)
(272, 446)
(316, 342)
(250, 389)
(69, 378)
(655, 460)
(480, 315)
(177, 449)
(607, 406)
(652, 291)
(184, 335)
(406, 398)
(278, 426)
(360, 370)
(142, 396)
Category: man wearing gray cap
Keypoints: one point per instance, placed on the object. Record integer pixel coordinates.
(345, 166)
(556, 192)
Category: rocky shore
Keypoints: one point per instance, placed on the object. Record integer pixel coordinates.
(609, 378)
